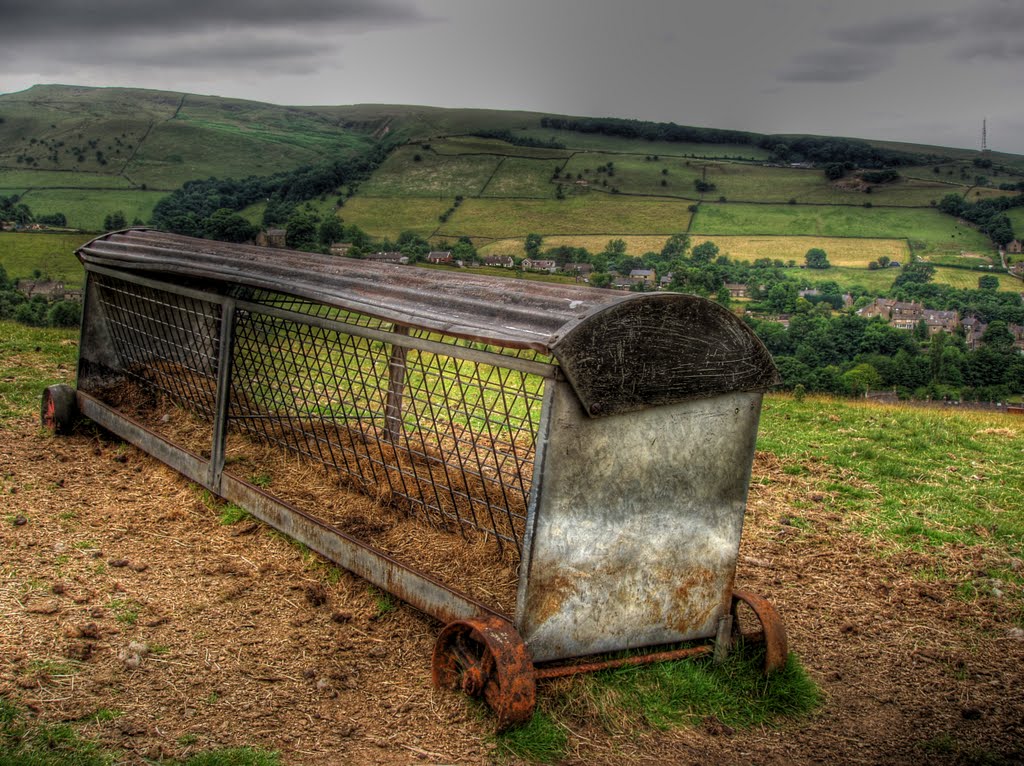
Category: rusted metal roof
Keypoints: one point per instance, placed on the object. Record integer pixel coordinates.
(621, 351)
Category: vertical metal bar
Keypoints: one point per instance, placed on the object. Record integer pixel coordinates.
(396, 387)
(723, 639)
(220, 413)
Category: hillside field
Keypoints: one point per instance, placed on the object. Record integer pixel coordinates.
(595, 214)
(22, 254)
(928, 231)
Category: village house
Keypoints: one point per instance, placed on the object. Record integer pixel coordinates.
(940, 321)
(340, 248)
(49, 289)
(666, 281)
(1015, 246)
(501, 261)
(390, 256)
(620, 282)
(440, 256)
(809, 292)
(1017, 331)
(271, 238)
(974, 328)
(899, 314)
(531, 264)
(644, 275)
(736, 289)
(578, 269)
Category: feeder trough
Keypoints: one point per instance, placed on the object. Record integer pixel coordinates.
(595, 445)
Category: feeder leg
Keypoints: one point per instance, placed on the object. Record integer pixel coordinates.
(724, 638)
(59, 409)
(485, 657)
(772, 633)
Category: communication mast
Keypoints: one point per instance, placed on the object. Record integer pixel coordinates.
(984, 135)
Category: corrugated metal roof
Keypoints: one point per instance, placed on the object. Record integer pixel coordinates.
(620, 351)
(510, 312)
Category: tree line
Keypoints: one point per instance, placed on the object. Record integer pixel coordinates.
(814, 149)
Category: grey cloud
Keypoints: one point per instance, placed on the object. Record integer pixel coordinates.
(294, 37)
(72, 18)
(836, 65)
(909, 29)
(994, 50)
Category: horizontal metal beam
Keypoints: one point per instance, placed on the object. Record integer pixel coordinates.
(412, 586)
(468, 354)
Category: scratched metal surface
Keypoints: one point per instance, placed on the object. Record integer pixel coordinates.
(637, 525)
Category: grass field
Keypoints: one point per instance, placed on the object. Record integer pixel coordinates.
(390, 216)
(516, 177)
(847, 277)
(478, 145)
(591, 214)
(598, 142)
(857, 253)
(432, 176)
(635, 245)
(48, 179)
(929, 231)
(968, 280)
(86, 210)
(1016, 216)
(921, 478)
(52, 254)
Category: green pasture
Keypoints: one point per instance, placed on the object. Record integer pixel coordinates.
(636, 245)
(86, 209)
(601, 143)
(968, 280)
(179, 151)
(877, 281)
(432, 175)
(390, 216)
(594, 214)
(1016, 216)
(920, 478)
(842, 251)
(22, 253)
(634, 174)
(478, 145)
(49, 179)
(517, 177)
(928, 231)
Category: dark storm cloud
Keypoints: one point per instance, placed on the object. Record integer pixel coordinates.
(994, 24)
(836, 65)
(72, 18)
(293, 37)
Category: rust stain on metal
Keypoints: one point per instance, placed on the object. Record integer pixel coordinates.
(485, 657)
(562, 671)
(773, 633)
(694, 599)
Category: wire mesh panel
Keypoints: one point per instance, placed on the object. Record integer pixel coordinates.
(448, 440)
(166, 342)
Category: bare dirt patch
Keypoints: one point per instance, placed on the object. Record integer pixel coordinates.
(127, 605)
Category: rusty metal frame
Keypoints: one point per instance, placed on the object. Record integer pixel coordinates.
(664, 547)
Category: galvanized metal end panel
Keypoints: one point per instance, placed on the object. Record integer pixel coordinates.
(661, 349)
(637, 526)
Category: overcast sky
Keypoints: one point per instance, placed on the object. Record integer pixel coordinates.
(912, 70)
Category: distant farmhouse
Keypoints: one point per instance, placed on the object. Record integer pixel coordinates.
(271, 238)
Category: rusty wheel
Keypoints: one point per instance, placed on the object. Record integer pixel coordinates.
(772, 633)
(485, 657)
(59, 409)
